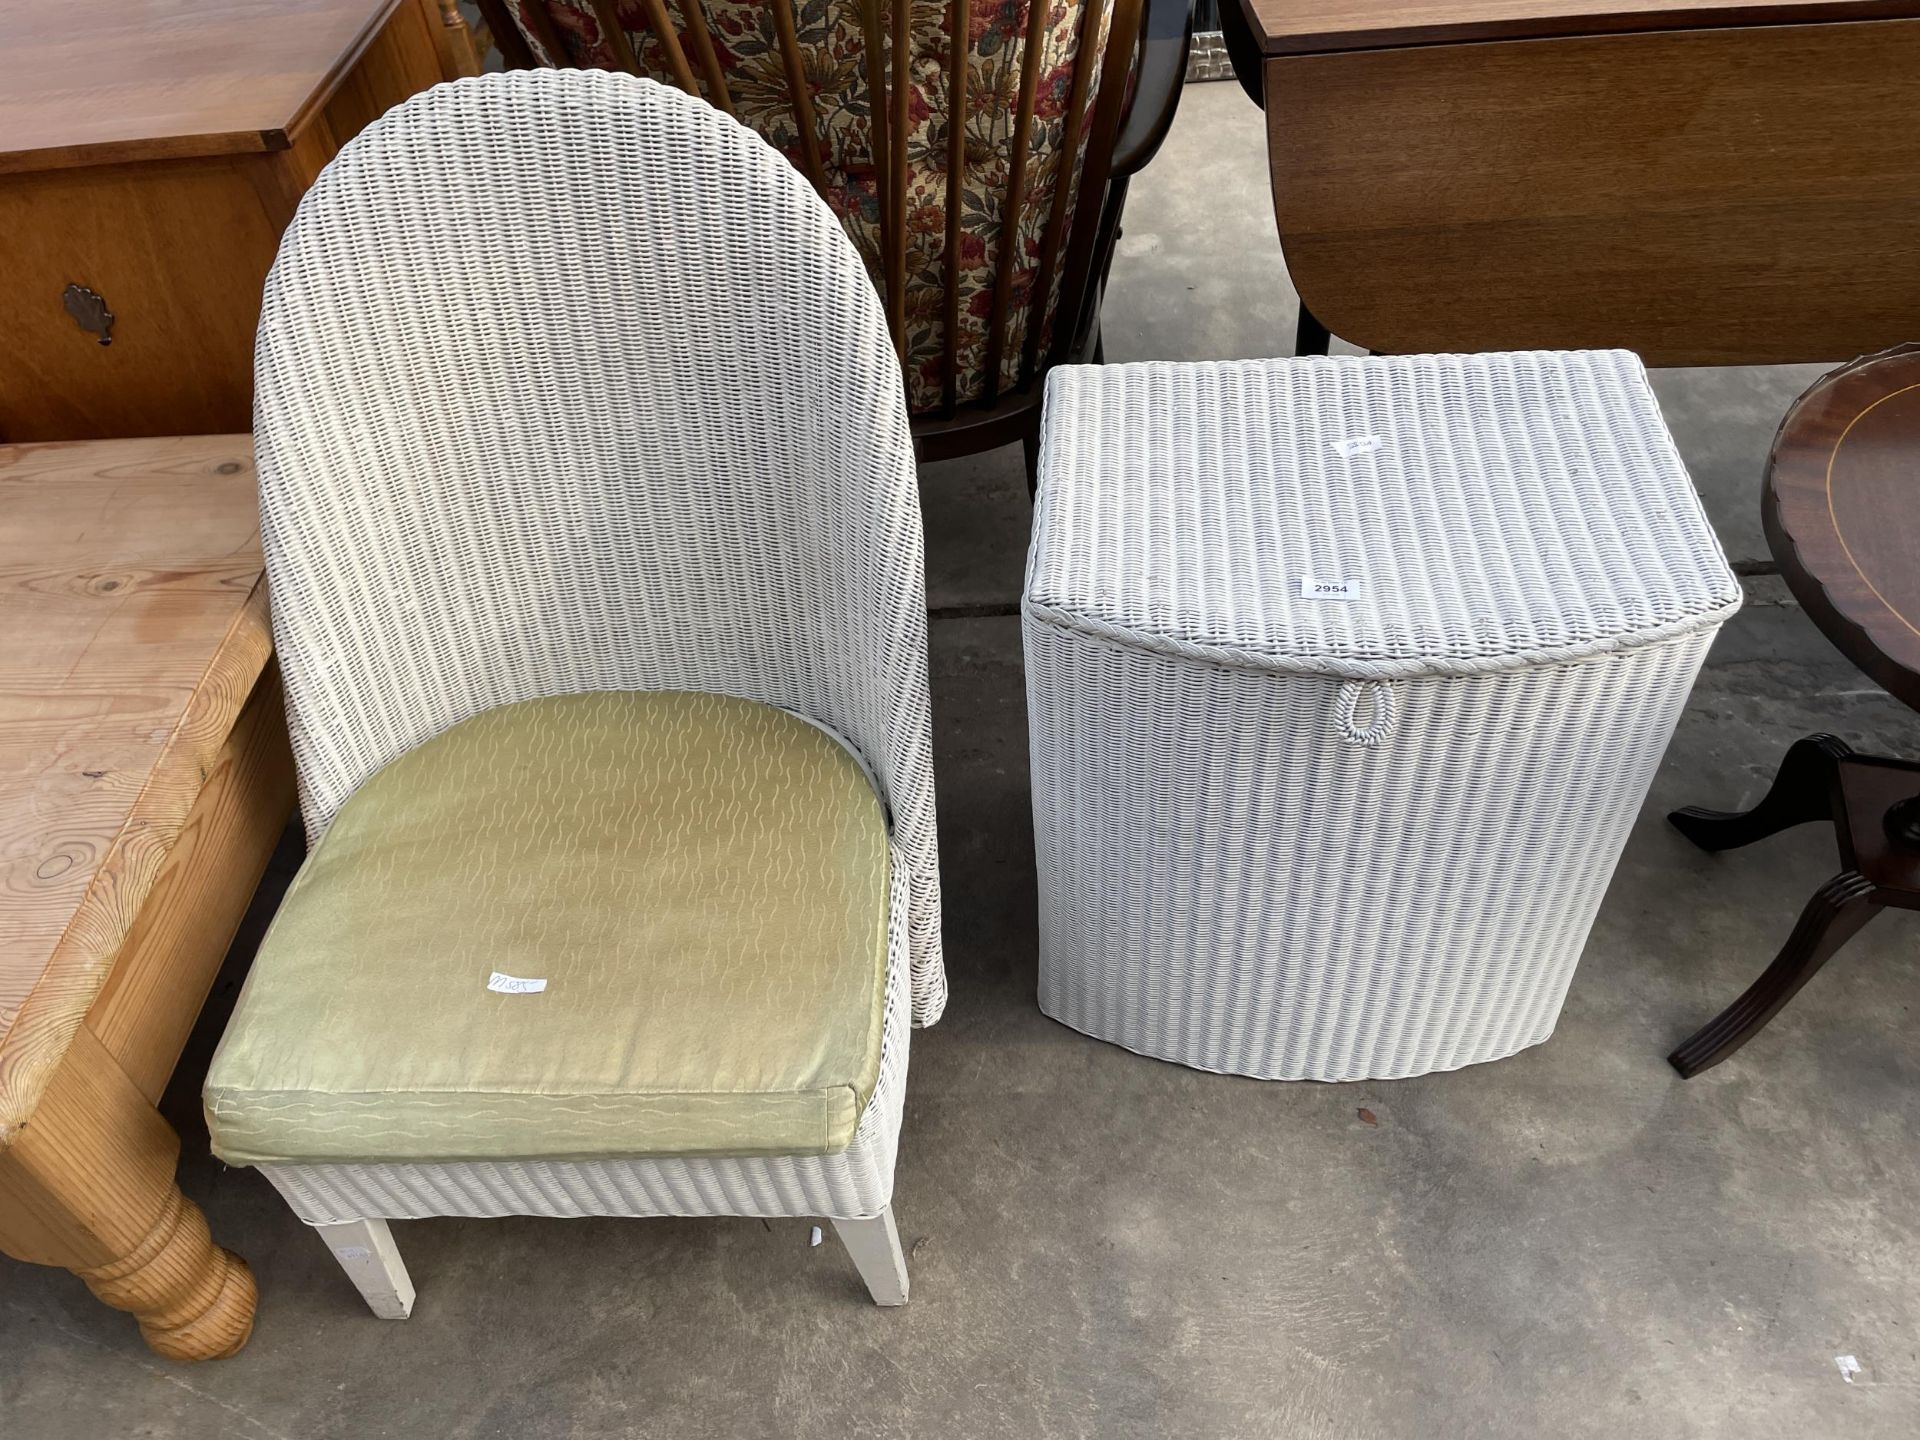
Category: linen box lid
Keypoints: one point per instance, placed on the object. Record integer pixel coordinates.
(1371, 518)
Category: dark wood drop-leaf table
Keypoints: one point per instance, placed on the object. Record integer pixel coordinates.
(1842, 512)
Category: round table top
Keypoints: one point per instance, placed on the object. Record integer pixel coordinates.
(1842, 512)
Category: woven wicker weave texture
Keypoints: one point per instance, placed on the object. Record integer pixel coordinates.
(567, 382)
(1353, 838)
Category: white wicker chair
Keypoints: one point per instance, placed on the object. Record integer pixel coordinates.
(567, 382)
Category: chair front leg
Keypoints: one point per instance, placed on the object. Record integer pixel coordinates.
(874, 1244)
(366, 1251)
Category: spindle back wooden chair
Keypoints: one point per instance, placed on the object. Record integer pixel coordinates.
(937, 132)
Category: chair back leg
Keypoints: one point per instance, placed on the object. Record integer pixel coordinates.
(874, 1244)
(366, 1251)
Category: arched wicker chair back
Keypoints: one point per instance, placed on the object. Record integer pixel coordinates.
(565, 382)
(940, 132)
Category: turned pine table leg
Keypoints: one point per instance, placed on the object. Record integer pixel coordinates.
(88, 1184)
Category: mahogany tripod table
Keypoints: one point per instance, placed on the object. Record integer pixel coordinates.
(1842, 513)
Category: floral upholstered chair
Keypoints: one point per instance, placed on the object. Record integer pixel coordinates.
(990, 266)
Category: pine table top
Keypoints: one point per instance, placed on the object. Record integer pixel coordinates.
(135, 621)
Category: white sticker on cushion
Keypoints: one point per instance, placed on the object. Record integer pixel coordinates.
(514, 985)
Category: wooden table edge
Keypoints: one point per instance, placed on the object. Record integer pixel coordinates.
(323, 93)
(56, 1008)
(1627, 21)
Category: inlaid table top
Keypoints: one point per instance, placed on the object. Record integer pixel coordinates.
(134, 627)
(1842, 513)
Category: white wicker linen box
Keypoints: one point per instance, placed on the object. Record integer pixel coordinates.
(1346, 679)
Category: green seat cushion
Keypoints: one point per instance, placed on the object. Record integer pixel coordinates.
(701, 882)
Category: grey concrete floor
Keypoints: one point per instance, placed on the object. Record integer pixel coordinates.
(1572, 1242)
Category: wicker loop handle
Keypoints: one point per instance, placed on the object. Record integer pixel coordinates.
(1381, 712)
